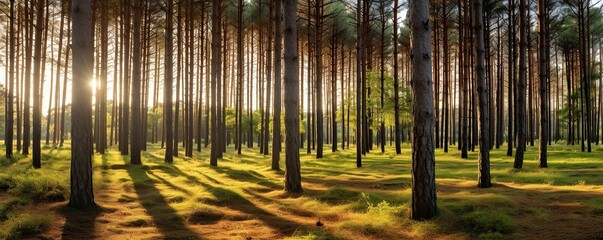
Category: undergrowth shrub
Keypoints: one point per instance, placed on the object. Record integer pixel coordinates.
(486, 224)
(7, 208)
(378, 216)
(25, 226)
(38, 187)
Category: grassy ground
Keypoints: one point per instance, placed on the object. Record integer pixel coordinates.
(243, 198)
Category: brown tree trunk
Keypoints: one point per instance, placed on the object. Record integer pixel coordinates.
(37, 79)
(136, 91)
(82, 196)
(8, 135)
(542, 61)
(483, 93)
(276, 120)
(216, 15)
(521, 88)
(424, 204)
(169, 82)
(293, 172)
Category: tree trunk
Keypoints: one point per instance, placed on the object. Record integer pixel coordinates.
(27, 91)
(318, 10)
(483, 93)
(276, 120)
(215, 68)
(511, 62)
(240, 40)
(521, 88)
(359, 66)
(37, 79)
(424, 205)
(543, 133)
(82, 196)
(169, 82)
(292, 173)
(8, 135)
(136, 91)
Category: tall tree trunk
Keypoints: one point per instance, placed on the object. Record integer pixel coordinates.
(102, 135)
(276, 120)
(8, 135)
(82, 196)
(125, 117)
(37, 79)
(268, 77)
(542, 58)
(216, 15)
(521, 88)
(511, 62)
(397, 81)
(483, 92)
(169, 82)
(58, 78)
(359, 66)
(64, 97)
(292, 173)
(240, 60)
(136, 91)
(446, 69)
(424, 204)
(27, 91)
(318, 10)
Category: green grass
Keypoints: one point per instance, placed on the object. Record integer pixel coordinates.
(243, 198)
(24, 226)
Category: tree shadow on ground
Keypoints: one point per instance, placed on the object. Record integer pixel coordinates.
(79, 224)
(165, 218)
(224, 197)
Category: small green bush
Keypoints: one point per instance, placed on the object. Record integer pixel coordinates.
(25, 225)
(481, 222)
(6, 182)
(8, 208)
(490, 236)
(39, 187)
(337, 195)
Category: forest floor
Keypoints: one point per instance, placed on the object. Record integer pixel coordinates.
(243, 199)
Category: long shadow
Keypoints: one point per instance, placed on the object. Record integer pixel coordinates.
(249, 176)
(79, 224)
(562, 207)
(169, 184)
(228, 198)
(165, 218)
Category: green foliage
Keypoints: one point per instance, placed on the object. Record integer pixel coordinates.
(339, 195)
(384, 214)
(24, 226)
(8, 208)
(5, 161)
(490, 223)
(374, 100)
(38, 187)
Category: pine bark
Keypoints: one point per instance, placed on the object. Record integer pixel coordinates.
(215, 68)
(169, 82)
(293, 169)
(542, 60)
(483, 94)
(276, 119)
(521, 88)
(82, 196)
(136, 126)
(424, 204)
(37, 79)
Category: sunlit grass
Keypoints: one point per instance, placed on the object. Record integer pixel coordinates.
(243, 197)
